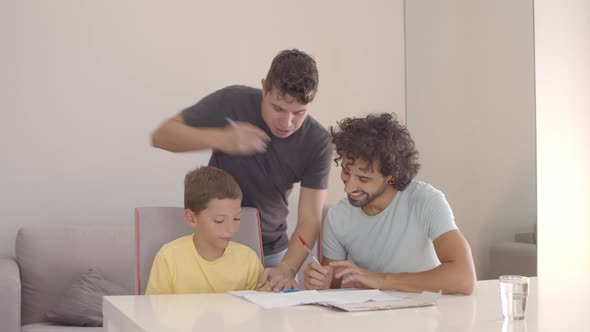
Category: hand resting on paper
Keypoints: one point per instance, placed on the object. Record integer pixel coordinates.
(277, 279)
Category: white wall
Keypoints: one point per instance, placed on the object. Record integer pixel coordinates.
(85, 82)
(562, 54)
(471, 111)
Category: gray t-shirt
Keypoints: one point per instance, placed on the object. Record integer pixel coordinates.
(398, 239)
(266, 179)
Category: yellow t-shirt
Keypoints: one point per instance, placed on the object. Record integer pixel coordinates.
(179, 269)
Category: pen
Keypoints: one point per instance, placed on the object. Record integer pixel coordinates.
(230, 121)
(308, 249)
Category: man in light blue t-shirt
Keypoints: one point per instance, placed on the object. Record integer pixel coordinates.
(392, 232)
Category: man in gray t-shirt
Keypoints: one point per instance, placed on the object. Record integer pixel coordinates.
(391, 232)
(265, 139)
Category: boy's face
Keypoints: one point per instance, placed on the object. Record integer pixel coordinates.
(282, 113)
(218, 223)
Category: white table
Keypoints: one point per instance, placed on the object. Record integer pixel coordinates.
(553, 305)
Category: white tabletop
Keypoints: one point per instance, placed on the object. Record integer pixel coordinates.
(553, 305)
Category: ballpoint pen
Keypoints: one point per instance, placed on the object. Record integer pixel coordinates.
(230, 121)
(307, 248)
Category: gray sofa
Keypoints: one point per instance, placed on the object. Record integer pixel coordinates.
(518, 257)
(49, 259)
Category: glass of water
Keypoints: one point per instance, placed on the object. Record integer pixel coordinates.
(514, 291)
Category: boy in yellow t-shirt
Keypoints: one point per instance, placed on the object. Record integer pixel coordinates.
(207, 261)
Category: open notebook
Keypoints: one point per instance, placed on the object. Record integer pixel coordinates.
(345, 299)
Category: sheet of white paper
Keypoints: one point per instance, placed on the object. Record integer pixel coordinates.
(421, 300)
(355, 296)
(270, 300)
(242, 293)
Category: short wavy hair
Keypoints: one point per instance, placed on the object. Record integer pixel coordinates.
(206, 183)
(295, 73)
(378, 137)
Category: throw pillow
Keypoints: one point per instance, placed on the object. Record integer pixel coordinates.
(81, 304)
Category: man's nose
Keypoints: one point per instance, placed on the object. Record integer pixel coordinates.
(287, 120)
(349, 186)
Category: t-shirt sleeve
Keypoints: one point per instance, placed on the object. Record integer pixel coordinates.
(254, 271)
(160, 280)
(332, 248)
(317, 170)
(210, 111)
(437, 214)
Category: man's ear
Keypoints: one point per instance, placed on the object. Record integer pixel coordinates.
(391, 180)
(189, 218)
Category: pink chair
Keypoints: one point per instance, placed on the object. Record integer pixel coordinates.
(156, 226)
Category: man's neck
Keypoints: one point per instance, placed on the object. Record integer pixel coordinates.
(379, 204)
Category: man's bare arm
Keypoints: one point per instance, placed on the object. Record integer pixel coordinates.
(175, 135)
(311, 203)
(455, 274)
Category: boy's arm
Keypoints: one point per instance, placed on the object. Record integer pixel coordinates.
(175, 135)
(254, 271)
(281, 277)
(455, 274)
(160, 280)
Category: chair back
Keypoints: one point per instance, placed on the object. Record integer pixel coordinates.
(156, 226)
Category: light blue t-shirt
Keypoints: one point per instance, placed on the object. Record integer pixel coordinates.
(398, 239)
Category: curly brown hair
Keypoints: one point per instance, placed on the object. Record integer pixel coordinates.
(295, 73)
(378, 137)
(203, 184)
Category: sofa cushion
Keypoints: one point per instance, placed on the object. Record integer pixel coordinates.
(81, 304)
(513, 258)
(48, 327)
(52, 257)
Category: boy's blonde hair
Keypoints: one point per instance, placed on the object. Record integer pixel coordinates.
(203, 184)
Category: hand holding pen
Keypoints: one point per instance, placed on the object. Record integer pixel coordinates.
(243, 138)
(315, 275)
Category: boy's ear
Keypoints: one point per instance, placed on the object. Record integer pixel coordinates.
(263, 81)
(189, 218)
